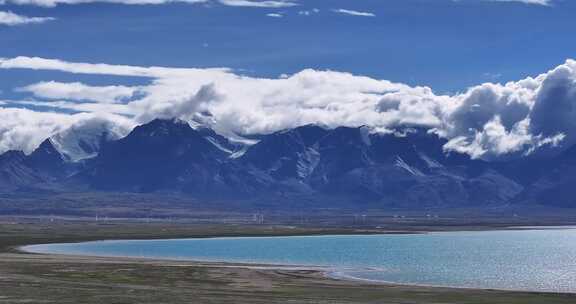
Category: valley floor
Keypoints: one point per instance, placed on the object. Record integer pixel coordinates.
(32, 278)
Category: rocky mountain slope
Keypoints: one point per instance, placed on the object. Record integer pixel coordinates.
(305, 166)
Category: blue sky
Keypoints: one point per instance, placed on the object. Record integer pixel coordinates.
(448, 45)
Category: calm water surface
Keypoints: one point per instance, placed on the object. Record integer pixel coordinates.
(536, 260)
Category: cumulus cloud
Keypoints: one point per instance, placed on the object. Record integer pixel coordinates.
(12, 19)
(353, 13)
(184, 108)
(486, 121)
(554, 107)
(23, 129)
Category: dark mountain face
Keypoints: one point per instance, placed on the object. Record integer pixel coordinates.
(47, 161)
(556, 185)
(406, 171)
(354, 166)
(161, 155)
(41, 169)
(305, 166)
(14, 174)
(285, 155)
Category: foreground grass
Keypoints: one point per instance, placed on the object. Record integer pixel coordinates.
(31, 278)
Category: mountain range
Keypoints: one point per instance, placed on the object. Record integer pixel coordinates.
(309, 166)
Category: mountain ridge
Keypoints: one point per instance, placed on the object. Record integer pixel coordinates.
(312, 165)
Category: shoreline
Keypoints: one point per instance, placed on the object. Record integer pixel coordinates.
(389, 283)
(348, 232)
(92, 280)
(329, 272)
(322, 271)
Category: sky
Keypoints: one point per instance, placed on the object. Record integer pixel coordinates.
(448, 45)
(334, 62)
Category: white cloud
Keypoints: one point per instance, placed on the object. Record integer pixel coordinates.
(487, 121)
(309, 12)
(530, 2)
(353, 13)
(238, 3)
(259, 3)
(36, 63)
(53, 3)
(538, 2)
(22, 129)
(80, 91)
(73, 106)
(275, 15)
(25, 129)
(12, 19)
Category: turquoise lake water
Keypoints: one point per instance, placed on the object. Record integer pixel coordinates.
(534, 260)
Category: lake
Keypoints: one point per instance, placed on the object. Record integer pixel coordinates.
(529, 260)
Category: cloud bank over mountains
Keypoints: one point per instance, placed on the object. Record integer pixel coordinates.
(486, 121)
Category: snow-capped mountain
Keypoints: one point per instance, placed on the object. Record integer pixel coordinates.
(83, 141)
(304, 166)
